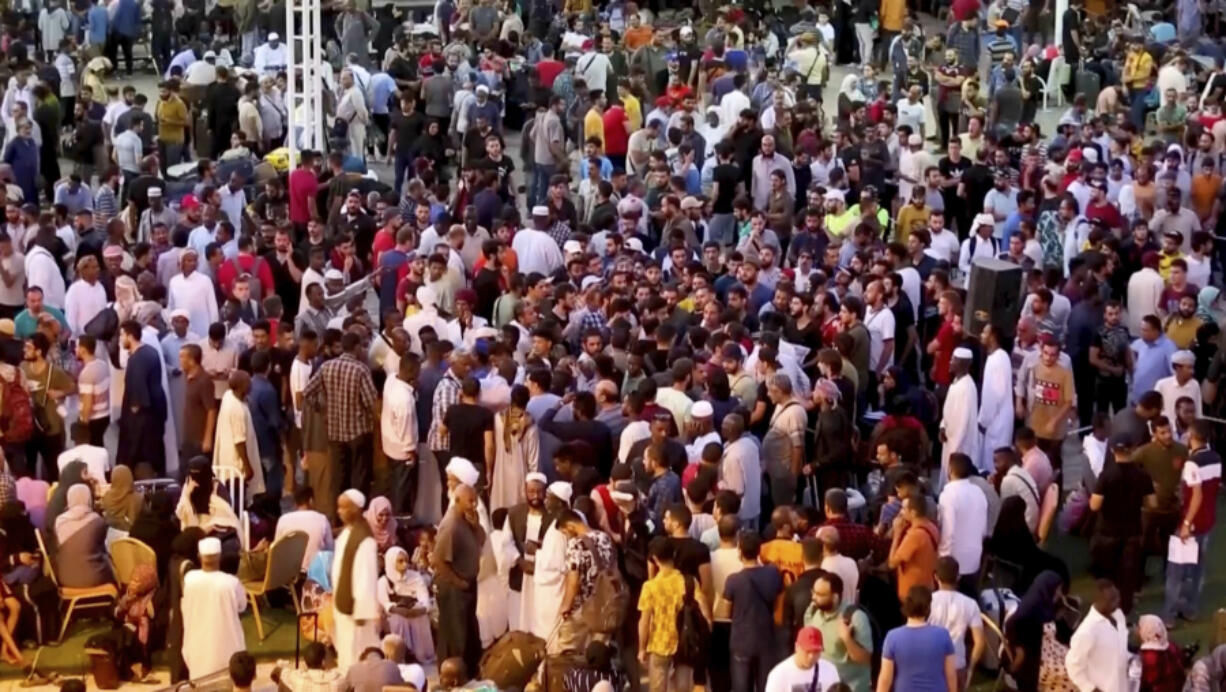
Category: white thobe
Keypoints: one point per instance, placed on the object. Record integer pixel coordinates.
(995, 407)
(1098, 656)
(269, 60)
(427, 317)
(549, 583)
(1144, 296)
(506, 555)
(524, 617)
(959, 422)
(194, 293)
(42, 271)
(492, 609)
(537, 252)
(235, 427)
(82, 303)
(351, 638)
(212, 631)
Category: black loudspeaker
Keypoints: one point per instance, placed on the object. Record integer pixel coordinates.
(993, 296)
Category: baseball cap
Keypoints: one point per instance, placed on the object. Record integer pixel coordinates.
(809, 640)
(189, 202)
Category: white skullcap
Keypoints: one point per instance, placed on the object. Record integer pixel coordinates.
(464, 471)
(634, 244)
(209, 546)
(180, 312)
(589, 281)
(154, 192)
(540, 210)
(572, 246)
(334, 275)
(982, 220)
(356, 497)
(962, 353)
(701, 409)
(273, 36)
(836, 195)
(426, 296)
(561, 490)
(1183, 357)
(536, 477)
(1090, 154)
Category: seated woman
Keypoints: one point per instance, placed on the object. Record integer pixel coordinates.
(1161, 661)
(155, 527)
(1208, 674)
(200, 506)
(405, 599)
(1036, 654)
(80, 536)
(1012, 542)
(120, 504)
(71, 474)
(382, 523)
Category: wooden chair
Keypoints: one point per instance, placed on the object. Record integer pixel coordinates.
(280, 572)
(83, 597)
(127, 554)
(1006, 660)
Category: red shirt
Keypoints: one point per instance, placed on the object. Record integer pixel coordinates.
(1208, 471)
(384, 240)
(227, 273)
(945, 350)
(303, 184)
(1108, 213)
(548, 70)
(616, 139)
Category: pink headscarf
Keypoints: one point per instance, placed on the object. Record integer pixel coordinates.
(385, 534)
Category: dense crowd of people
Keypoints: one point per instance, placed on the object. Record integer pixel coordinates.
(723, 379)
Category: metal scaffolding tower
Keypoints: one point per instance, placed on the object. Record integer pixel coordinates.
(304, 86)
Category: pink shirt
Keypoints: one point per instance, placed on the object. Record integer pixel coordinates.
(33, 494)
(1038, 466)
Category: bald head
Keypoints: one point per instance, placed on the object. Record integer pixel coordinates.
(240, 383)
(452, 673)
(606, 391)
(783, 519)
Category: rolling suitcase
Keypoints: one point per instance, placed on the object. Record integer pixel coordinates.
(1088, 84)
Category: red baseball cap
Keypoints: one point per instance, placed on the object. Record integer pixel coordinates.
(189, 202)
(809, 640)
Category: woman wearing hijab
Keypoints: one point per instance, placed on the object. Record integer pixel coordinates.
(133, 612)
(405, 599)
(121, 503)
(200, 506)
(432, 145)
(382, 522)
(73, 473)
(849, 96)
(1161, 661)
(516, 451)
(80, 536)
(1025, 631)
(155, 527)
(1013, 542)
(1208, 674)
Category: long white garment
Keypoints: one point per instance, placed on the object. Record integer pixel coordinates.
(964, 523)
(995, 407)
(235, 427)
(548, 584)
(959, 421)
(491, 594)
(42, 271)
(505, 556)
(1098, 656)
(1144, 296)
(82, 303)
(194, 293)
(212, 632)
(526, 616)
(351, 639)
(537, 252)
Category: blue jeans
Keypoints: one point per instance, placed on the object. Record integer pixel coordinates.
(274, 475)
(1138, 109)
(540, 184)
(1184, 584)
(403, 162)
(722, 229)
(749, 672)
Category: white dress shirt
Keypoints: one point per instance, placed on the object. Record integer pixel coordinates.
(82, 303)
(42, 271)
(537, 252)
(964, 523)
(1097, 657)
(399, 418)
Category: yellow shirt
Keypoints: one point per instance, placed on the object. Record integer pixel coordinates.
(1137, 69)
(593, 126)
(662, 596)
(908, 217)
(634, 112)
(1182, 331)
(1164, 263)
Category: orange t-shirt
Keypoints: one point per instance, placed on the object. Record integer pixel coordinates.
(638, 37)
(788, 557)
(918, 552)
(1204, 191)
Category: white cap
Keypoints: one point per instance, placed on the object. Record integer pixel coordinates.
(687, 31)
(210, 55)
(274, 36)
(334, 275)
(835, 194)
(982, 220)
(482, 89)
(963, 353)
(426, 296)
(634, 244)
(153, 192)
(589, 281)
(572, 246)
(536, 477)
(180, 312)
(209, 546)
(1183, 357)
(356, 497)
(540, 210)
(1090, 154)
(561, 490)
(915, 140)
(701, 409)
(464, 471)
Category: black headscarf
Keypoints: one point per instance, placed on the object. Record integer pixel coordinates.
(200, 469)
(155, 526)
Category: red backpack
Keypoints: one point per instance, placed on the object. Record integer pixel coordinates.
(17, 419)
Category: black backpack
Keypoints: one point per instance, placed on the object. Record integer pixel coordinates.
(693, 630)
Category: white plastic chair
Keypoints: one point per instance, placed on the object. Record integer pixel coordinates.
(235, 486)
(1057, 76)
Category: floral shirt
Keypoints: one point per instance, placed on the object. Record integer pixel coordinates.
(589, 556)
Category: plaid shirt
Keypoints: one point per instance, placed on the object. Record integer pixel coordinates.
(858, 541)
(348, 394)
(8, 488)
(446, 394)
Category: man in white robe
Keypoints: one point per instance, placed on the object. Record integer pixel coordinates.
(532, 515)
(996, 404)
(193, 292)
(426, 317)
(355, 582)
(959, 416)
(86, 297)
(212, 601)
(537, 250)
(549, 581)
(42, 271)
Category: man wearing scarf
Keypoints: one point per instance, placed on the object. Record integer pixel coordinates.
(356, 578)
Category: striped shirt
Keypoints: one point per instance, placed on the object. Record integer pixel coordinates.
(105, 206)
(446, 394)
